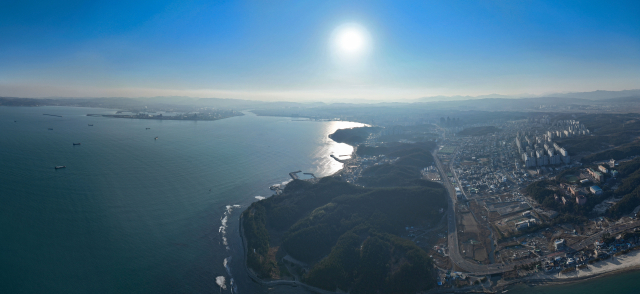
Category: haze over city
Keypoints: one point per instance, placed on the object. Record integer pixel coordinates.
(298, 51)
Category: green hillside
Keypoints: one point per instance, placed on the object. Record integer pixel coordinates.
(347, 234)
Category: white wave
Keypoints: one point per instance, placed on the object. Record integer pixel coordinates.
(228, 268)
(221, 281)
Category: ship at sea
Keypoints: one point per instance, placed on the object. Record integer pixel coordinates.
(91, 125)
(59, 166)
(76, 144)
(50, 129)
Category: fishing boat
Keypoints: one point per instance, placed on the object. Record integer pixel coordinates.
(91, 125)
(147, 128)
(59, 166)
(50, 129)
(76, 144)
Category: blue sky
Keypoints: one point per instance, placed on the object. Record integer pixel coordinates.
(282, 50)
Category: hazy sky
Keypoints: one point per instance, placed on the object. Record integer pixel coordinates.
(316, 50)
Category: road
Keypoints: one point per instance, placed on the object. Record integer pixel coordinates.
(454, 250)
(611, 230)
(483, 269)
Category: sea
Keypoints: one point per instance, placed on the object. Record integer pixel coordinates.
(142, 206)
(152, 206)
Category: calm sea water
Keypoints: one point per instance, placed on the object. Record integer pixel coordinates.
(131, 214)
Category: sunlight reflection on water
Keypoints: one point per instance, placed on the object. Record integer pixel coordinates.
(325, 164)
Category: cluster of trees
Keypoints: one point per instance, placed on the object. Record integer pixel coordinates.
(581, 144)
(383, 263)
(569, 212)
(620, 152)
(257, 236)
(349, 233)
(353, 136)
(607, 130)
(393, 148)
(628, 189)
(479, 131)
(383, 210)
(411, 159)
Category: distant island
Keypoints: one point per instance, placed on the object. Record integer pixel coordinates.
(205, 115)
(141, 108)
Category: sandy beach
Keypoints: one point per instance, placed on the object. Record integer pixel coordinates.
(612, 265)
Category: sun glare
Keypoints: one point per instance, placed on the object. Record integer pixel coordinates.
(350, 39)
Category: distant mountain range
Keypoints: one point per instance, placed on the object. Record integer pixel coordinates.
(487, 102)
(595, 95)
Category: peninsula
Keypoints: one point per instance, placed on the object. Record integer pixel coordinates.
(338, 234)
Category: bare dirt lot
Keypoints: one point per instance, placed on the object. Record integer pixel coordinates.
(472, 238)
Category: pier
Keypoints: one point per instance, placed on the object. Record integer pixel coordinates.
(294, 175)
(338, 159)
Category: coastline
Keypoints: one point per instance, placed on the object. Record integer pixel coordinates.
(602, 269)
(615, 265)
(606, 268)
(273, 283)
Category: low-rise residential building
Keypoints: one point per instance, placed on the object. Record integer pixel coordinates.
(581, 199)
(603, 169)
(595, 190)
(595, 174)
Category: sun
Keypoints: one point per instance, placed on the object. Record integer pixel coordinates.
(350, 40)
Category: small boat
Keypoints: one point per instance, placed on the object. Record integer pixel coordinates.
(91, 125)
(50, 129)
(156, 138)
(76, 144)
(147, 128)
(59, 166)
